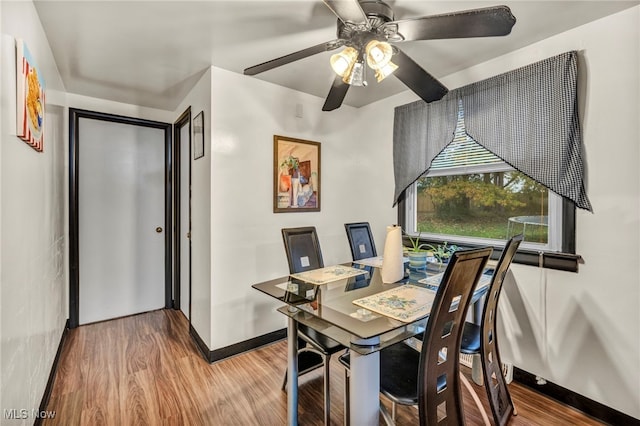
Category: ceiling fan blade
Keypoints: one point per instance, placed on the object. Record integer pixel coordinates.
(417, 79)
(301, 54)
(336, 94)
(484, 22)
(347, 11)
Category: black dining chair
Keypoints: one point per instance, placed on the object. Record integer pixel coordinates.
(482, 339)
(431, 377)
(360, 240)
(303, 254)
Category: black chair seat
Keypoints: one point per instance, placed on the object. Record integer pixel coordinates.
(470, 339)
(321, 342)
(308, 361)
(402, 385)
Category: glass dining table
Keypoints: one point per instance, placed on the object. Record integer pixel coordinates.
(346, 310)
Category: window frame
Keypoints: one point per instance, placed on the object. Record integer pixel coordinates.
(554, 213)
(564, 259)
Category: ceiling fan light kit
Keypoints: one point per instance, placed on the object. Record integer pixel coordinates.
(349, 65)
(368, 27)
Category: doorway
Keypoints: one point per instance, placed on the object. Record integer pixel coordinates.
(120, 216)
(182, 213)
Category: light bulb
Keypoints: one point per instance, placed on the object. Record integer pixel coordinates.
(343, 61)
(379, 54)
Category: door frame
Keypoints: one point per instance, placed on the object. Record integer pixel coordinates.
(184, 119)
(74, 136)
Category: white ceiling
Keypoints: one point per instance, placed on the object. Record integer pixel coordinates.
(151, 53)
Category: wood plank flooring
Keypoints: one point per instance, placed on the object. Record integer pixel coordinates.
(145, 370)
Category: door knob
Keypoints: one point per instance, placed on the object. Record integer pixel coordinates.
(189, 235)
(159, 229)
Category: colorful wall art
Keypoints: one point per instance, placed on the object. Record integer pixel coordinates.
(296, 175)
(30, 97)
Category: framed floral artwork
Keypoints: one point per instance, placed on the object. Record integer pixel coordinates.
(296, 175)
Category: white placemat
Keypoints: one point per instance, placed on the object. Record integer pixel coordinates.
(406, 303)
(328, 274)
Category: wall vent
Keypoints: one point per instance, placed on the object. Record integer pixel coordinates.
(476, 374)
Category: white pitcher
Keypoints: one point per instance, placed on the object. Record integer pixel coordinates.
(392, 262)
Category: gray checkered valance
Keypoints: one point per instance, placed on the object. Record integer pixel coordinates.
(528, 117)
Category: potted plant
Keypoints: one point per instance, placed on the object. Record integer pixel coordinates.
(443, 251)
(417, 254)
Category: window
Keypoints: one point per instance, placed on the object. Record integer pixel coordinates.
(470, 196)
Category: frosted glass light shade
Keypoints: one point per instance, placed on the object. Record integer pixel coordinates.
(384, 72)
(342, 62)
(379, 54)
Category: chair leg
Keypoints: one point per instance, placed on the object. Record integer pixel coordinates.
(284, 381)
(474, 395)
(394, 407)
(347, 402)
(327, 388)
(327, 393)
(388, 419)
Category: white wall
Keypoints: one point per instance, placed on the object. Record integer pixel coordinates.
(33, 282)
(246, 244)
(582, 330)
(199, 99)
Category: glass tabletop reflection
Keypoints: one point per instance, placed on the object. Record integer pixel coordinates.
(332, 303)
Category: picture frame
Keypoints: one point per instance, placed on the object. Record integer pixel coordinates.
(296, 175)
(30, 98)
(198, 136)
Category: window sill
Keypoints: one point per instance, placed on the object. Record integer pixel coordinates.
(550, 260)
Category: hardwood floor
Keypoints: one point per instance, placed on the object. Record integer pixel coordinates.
(145, 370)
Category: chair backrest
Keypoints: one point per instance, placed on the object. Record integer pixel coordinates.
(439, 398)
(494, 381)
(360, 240)
(302, 248)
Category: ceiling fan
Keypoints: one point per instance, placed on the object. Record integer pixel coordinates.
(367, 29)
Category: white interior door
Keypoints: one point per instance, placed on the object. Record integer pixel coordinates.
(185, 222)
(120, 219)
